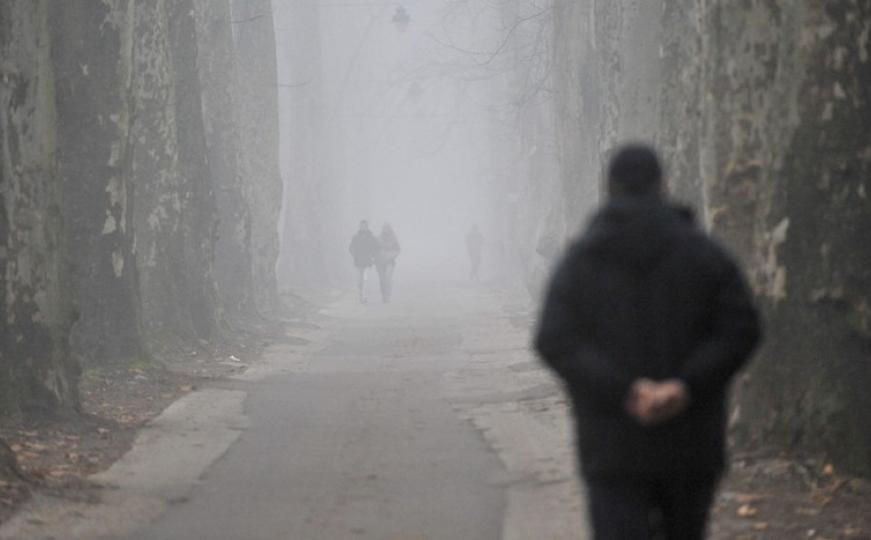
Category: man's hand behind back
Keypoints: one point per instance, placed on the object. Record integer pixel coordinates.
(654, 402)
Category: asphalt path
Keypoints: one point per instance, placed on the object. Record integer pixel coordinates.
(357, 440)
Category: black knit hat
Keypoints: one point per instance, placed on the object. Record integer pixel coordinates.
(634, 171)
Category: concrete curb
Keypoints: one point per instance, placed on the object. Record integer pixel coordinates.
(167, 458)
(518, 408)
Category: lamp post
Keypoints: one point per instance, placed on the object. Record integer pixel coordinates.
(401, 19)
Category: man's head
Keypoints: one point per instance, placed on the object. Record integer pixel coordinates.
(634, 172)
(364, 225)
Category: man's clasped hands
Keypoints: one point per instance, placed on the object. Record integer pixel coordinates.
(654, 402)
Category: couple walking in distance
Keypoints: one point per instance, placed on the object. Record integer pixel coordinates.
(367, 250)
(646, 321)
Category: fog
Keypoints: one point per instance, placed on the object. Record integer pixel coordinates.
(407, 135)
(185, 348)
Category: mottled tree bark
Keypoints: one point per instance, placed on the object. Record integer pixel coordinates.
(91, 50)
(174, 211)
(198, 189)
(216, 66)
(788, 165)
(37, 372)
(258, 123)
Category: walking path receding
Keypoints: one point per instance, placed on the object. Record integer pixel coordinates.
(423, 419)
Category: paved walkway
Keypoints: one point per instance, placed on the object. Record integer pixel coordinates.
(424, 419)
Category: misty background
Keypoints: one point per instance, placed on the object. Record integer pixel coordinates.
(180, 178)
(401, 128)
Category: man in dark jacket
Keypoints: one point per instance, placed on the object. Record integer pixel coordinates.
(364, 248)
(646, 321)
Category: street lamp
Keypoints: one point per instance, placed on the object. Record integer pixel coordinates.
(401, 19)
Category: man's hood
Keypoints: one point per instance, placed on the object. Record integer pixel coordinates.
(637, 233)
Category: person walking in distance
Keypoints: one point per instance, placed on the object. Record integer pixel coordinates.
(364, 248)
(386, 260)
(474, 246)
(646, 321)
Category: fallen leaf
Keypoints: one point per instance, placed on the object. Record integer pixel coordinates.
(761, 526)
(829, 469)
(747, 511)
(185, 388)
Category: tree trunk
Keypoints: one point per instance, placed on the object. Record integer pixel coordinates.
(301, 262)
(92, 53)
(37, 372)
(258, 123)
(216, 63)
(174, 212)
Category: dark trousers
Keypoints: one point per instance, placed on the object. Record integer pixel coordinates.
(644, 509)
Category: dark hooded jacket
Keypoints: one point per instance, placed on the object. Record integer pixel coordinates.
(644, 293)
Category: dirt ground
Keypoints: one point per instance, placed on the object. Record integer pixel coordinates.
(55, 455)
(779, 498)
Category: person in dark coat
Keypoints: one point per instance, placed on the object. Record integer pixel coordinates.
(646, 321)
(364, 248)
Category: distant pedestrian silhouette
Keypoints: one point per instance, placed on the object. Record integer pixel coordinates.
(385, 262)
(646, 321)
(364, 248)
